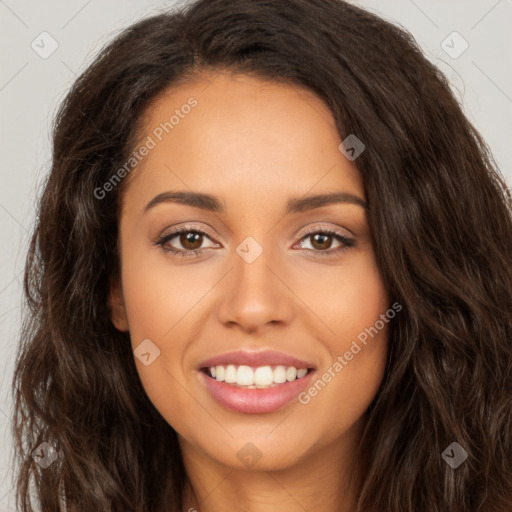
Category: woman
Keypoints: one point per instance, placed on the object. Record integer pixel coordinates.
(271, 271)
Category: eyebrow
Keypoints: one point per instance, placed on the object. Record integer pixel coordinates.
(295, 205)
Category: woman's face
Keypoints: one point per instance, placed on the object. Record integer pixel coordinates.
(269, 289)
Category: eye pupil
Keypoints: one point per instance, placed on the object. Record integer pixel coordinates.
(319, 240)
(191, 237)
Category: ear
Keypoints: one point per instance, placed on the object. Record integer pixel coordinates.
(116, 307)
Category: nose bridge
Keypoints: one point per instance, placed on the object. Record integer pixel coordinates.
(251, 266)
(253, 296)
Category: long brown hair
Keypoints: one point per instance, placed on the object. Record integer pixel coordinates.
(440, 215)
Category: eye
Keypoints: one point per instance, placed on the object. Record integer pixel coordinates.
(321, 241)
(189, 239)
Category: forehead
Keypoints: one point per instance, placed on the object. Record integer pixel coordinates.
(237, 134)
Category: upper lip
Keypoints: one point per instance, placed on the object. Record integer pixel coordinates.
(255, 359)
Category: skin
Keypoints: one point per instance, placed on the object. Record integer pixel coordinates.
(254, 144)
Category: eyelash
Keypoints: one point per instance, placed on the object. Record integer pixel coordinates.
(347, 242)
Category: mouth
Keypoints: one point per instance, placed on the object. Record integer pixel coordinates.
(255, 382)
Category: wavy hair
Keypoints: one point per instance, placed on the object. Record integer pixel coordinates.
(440, 215)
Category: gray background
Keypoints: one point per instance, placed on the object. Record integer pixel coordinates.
(31, 88)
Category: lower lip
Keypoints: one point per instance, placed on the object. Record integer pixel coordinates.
(255, 401)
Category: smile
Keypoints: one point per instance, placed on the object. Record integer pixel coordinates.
(255, 382)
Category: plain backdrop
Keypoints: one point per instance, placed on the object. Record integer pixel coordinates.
(33, 83)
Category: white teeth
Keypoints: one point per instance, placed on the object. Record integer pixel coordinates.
(245, 376)
(230, 375)
(256, 378)
(280, 374)
(263, 376)
(291, 373)
(219, 370)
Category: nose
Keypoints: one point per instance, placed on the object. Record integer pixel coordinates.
(255, 294)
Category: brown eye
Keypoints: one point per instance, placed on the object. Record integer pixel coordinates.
(185, 241)
(191, 240)
(321, 241)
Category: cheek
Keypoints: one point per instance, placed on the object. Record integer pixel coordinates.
(160, 304)
(345, 388)
(163, 302)
(347, 298)
(159, 295)
(357, 342)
